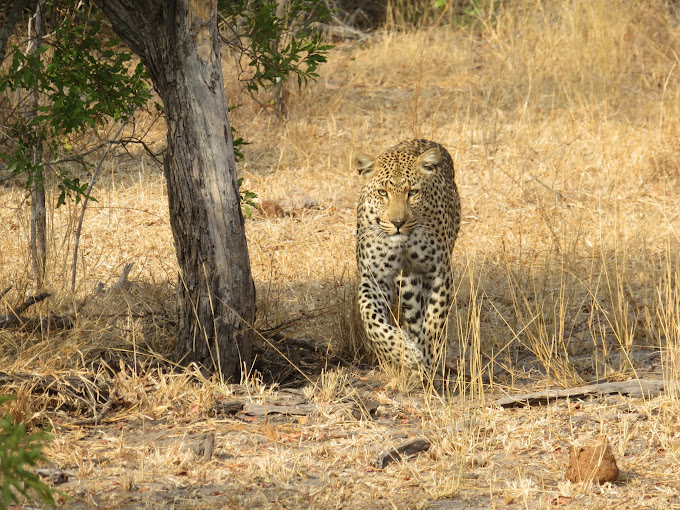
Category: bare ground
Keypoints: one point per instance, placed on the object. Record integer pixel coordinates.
(316, 447)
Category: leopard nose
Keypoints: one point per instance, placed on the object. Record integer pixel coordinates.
(397, 222)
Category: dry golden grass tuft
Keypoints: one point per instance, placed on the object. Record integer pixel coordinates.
(562, 119)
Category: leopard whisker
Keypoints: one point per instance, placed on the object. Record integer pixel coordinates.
(370, 231)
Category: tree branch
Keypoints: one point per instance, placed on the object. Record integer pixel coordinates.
(127, 15)
(10, 21)
(82, 212)
(30, 302)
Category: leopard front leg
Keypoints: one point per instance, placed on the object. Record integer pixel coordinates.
(391, 343)
(409, 295)
(438, 292)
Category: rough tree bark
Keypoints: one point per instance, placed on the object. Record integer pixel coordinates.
(36, 31)
(178, 43)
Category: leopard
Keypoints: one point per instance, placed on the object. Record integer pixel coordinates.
(408, 218)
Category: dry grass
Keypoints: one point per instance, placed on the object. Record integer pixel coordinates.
(562, 119)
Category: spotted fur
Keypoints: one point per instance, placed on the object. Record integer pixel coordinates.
(407, 222)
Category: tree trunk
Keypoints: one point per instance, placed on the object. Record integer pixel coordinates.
(178, 42)
(38, 228)
(36, 32)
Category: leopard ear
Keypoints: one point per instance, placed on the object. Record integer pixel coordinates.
(428, 160)
(364, 163)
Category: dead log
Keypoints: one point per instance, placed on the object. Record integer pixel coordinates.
(261, 411)
(638, 388)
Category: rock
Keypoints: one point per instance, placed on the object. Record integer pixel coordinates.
(56, 476)
(271, 209)
(297, 200)
(595, 463)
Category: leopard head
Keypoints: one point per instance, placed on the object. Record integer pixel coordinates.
(397, 188)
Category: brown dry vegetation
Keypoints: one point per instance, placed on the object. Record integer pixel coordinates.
(563, 121)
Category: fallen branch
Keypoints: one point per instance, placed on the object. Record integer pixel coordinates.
(31, 325)
(98, 416)
(643, 388)
(122, 281)
(30, 302)
(2, 294)
(261, 411)
(396, 454)
(15, 319)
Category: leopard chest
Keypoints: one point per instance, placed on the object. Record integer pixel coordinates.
(388, 256)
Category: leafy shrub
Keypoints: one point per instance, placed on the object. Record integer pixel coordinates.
(19, 451)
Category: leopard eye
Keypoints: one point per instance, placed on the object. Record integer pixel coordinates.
(382, 192)
(412, 193)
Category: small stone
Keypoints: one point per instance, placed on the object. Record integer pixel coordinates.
(595, 463)
(310, 203)
(476, 461)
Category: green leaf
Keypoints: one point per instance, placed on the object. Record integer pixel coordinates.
(19, 451)
(83, 83)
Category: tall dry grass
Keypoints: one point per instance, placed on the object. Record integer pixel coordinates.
(562, 120)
